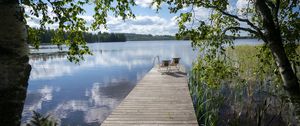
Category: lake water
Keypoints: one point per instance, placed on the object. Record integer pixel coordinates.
(86, 93)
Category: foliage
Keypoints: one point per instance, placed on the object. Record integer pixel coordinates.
(219, 70)
(247, 97)
(253, 62)
(47, 35)
(209, 35)
(39, 120)
(68, 15)
(206, 102)
(215, 68)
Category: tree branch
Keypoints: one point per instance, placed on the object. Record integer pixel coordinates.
(266, 14)
(240, 28)
(238, 18)
(271, 5)
(277, 6)
(258, 31)
(276, 10)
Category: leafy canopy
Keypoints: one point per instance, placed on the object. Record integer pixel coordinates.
(68, 14)
(209, 35)
(214, 35)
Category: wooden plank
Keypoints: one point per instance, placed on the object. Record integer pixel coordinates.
(157, 100)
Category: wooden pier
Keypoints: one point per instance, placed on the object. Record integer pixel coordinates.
(159, 100)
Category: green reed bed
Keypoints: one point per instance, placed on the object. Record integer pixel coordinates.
(241, 89)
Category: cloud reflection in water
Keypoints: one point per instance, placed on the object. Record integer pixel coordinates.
(85, 94)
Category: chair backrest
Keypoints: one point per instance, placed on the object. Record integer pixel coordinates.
(165, 63)
(176, 60)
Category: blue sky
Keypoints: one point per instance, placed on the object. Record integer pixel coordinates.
(147, 20)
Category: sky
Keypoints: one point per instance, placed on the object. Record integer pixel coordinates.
(147, 21)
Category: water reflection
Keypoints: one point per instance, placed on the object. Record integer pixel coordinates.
(49, 66)
(85, 94)
(35, 100)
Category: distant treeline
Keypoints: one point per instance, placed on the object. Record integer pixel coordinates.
(119, 37)
(104, 37)
(46, 36)
(149, 37)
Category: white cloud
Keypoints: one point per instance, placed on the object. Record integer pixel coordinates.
(147, 3)
(199, 14)
(240, 4)
(34, 21)
(202, 13)
(230, 8)
(143, 25)
(144, 3)
(89, 19)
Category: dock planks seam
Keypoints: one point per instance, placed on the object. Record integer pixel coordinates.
(157, 100)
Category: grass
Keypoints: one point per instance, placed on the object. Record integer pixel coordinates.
(254, 97)
(38, 119)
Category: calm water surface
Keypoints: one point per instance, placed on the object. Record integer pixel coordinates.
(86, 94)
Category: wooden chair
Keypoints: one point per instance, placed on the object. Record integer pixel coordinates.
(164, 66)
(175, 64)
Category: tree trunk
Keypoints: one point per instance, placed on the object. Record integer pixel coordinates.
(274, 42)
(288, 76)
(14, 66)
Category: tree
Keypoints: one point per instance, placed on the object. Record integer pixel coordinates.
(14, 64)
(276, 22)
(15, 36)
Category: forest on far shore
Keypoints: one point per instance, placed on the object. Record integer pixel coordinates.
(46, 36)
